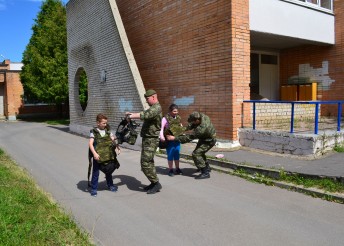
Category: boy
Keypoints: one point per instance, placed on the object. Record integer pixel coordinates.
(101, 145)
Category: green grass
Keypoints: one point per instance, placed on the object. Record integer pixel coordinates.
(50, 121)
(28, 216)
(326, 184)
(58, 122)
(339, 148)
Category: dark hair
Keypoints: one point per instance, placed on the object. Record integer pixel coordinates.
(172, 107)
(101, 117)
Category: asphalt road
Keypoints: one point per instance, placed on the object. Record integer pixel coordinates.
(222, 210)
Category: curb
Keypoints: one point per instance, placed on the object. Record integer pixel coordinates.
(229, 167)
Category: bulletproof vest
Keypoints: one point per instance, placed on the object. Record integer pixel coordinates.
(174, 126)
(103, 146)
(126, 131)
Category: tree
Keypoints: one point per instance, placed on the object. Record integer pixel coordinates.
(45, 71)
(83, 89)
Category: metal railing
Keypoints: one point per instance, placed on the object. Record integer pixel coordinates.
(292, 103)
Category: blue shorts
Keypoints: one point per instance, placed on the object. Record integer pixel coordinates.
(172, 150)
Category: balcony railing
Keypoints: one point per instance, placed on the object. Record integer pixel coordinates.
(292, 104)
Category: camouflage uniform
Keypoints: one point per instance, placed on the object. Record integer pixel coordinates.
(150, 140)
(206, 135)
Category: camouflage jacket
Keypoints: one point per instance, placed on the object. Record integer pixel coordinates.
(151, 121)
(204, 131)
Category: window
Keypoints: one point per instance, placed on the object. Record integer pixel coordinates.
(326, 4)
(269, 59)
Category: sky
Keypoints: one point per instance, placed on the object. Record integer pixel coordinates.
(17, 17)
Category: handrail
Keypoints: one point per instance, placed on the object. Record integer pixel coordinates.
(316, 116)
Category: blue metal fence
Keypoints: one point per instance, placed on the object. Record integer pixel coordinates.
(292, 103)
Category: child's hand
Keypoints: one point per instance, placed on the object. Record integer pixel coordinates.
(96, 157)
(118, 150)
(170, 137)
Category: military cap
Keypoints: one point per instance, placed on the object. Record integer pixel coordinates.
(194, 116)
(150, 93)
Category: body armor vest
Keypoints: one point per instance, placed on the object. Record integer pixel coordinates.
(174, 126)
(103, 146)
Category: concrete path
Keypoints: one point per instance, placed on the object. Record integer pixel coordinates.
(222, 210)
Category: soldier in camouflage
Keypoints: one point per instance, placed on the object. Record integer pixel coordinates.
(150, 138)
(204, 131)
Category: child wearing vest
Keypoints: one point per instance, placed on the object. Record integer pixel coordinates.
(101, 144)
(171, 124)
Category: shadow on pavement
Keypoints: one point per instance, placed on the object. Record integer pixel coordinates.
(189, 172)
(61, 128)
(131, 182)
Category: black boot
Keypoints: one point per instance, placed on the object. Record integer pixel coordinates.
(156, 188)
(148, 187)
(204, 174)
(207, 166)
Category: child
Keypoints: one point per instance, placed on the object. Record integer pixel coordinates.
(171, 124)
(101, 145)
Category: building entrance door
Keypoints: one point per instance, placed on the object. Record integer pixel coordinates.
(2, 99)
(264, 76)
(268, 81)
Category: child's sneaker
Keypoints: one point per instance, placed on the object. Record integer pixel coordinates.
(113, 188)
(170, 173)
(178, 171)
(94, 193)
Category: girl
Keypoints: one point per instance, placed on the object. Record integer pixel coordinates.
(171, 125)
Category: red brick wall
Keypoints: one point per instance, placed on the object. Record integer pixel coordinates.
(14, 91)
(194, 49)
(315, 55)
(13, 104)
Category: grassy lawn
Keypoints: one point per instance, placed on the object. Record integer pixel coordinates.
(339, 148)
(49, 121)
(28, 216)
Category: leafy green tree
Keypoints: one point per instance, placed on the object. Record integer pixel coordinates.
(83, 89)
(45, 73)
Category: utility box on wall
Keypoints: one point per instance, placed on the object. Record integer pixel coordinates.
(308, 92)
(289, 93)
(303, 92)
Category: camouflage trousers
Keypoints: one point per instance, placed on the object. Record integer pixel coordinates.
(149, 147)
(198, 155)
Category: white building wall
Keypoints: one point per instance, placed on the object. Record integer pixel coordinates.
(286, 18)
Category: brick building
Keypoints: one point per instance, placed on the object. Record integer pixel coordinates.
(206, 55)
(12, 104)
(11, 89)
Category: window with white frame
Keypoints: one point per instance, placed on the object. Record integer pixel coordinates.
(326, 4)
